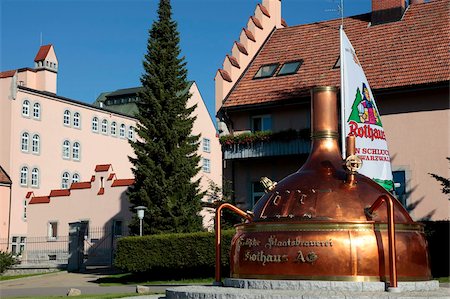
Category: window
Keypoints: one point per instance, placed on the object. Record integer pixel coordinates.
(26, 108)
(75, 178)
(290, 68)
(24, 176)
(24, 141)
(131, 133)
(94, 124)
(104, 126)
(35, 144)
(25, 209)
(52, 230)
(206, 145)
(113, 128)
(66, 149)
(18, 245)
(206, 165)
(65, 180)
(266, 71)
(37, 110)
(35, 177)
(122, 131)
(76, 151)
(261, 123)
(76, 120)
(257, 192)
(66, 118)
(399, 177)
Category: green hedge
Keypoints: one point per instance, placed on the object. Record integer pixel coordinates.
(192, 255)
(173, 255)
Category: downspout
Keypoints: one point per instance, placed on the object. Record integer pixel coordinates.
(9, 215)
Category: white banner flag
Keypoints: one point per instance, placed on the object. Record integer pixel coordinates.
(360, 117)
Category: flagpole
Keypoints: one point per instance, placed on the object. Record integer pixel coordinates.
(343, 120)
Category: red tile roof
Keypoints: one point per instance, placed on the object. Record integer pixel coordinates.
(80, 185)
(122, 182)
(283, 22)
(39, 199)
(256, 22)
(4, 177)
(241, 48)
(412, 51)
(102, 167)
(43, 52)
(29, 193)
(264, 10)
(7, 74)
(101, 191)
(60, 192)
(111, 176)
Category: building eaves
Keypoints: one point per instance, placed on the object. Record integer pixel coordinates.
(53, 95)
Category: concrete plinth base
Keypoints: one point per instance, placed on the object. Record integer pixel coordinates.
(270, 289)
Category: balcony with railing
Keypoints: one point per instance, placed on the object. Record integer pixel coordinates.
(265, 144)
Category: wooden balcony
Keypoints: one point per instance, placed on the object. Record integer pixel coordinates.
(262, 149)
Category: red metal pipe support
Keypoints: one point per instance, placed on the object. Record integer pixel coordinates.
(218, 278)
(391, 235)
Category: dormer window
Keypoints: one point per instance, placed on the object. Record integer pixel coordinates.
(290, 68)
(266, 71)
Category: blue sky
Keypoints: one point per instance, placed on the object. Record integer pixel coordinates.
(100, 44)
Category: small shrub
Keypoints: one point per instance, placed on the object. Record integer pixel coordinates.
(172, 256)
(6, 261)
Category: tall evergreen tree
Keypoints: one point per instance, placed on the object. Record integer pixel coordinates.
(166, 159)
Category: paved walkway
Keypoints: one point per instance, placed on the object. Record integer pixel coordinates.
(60, 282)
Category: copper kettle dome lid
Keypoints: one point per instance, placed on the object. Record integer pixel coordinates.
(319, 190)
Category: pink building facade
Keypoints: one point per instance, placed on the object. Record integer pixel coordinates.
(50, 142)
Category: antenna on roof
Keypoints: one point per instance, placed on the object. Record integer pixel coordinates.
(339, 10)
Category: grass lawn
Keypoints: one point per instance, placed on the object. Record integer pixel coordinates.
(9, 277)
(443, 279)
(104, 296)
(133, 279)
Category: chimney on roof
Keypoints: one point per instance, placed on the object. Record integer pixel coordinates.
(386, 11)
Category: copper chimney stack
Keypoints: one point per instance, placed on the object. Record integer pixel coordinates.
(320, 223)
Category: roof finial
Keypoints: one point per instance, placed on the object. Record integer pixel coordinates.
(41, 40)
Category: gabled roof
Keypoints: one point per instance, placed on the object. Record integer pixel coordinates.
(42, 53)
(412, 51)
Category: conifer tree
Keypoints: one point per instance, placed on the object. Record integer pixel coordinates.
(166, 159)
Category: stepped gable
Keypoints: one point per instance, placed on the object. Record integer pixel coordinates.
(266, 17)
(412, 51)
(103, 188)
